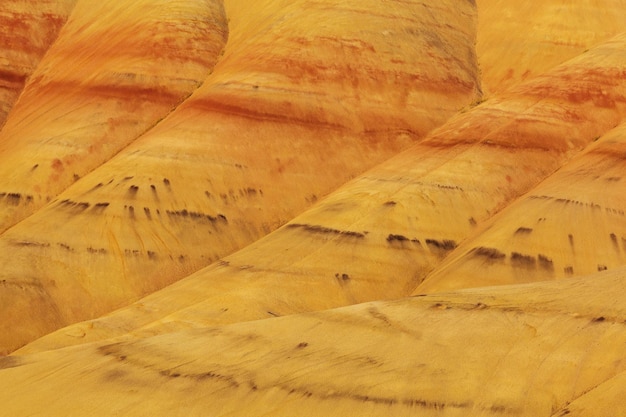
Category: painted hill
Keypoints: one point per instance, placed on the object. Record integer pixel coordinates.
(545, 349)
(312, 207)
(402, 218)
(261, 140)
(114, 71)
(517, 41)
(571, 224)
(29, 28)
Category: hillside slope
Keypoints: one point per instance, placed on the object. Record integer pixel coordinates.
(114, 72)
(291, 111)
(516, 351)
(519, 40)
(379, 236)
(571, 224)
(311, 208)
(29, 28)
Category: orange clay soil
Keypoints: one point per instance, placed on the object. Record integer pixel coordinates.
(379, 236)
(539, 350)
(115, 70)
(28, 29)
(302, 98)
(519, 40)
(574, 223)
(292, 110)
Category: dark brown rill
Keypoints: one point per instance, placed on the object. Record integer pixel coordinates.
(194, 215)
(613, 237)
(100, 207)
(545, 262)
(9, 362)
(96, 250)
(325, 230)
(131, 211)
(13, 198)
(342, 277)
(519, 259)
(74, 205)
(398, 238)
(66, 247)
(445, 245)
(489, 253)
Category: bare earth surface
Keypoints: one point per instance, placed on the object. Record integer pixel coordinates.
(313, 208)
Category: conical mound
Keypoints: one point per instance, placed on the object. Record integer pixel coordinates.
(519, 40)
(114, 71)
(380, 235)
(532, 350)
(265, 137)
(571, 224)
(319, 208)
(28, 30)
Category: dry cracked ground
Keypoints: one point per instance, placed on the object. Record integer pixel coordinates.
(320, 208)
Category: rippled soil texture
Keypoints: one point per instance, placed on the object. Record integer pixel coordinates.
(324, 208)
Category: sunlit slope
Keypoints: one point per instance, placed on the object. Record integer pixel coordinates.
(520, 350)
(603, 400)
(375, 68)
(292, 110)
(28, 29)
(115, 70)
(521, 39)
(572, 224)
(381, 234)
